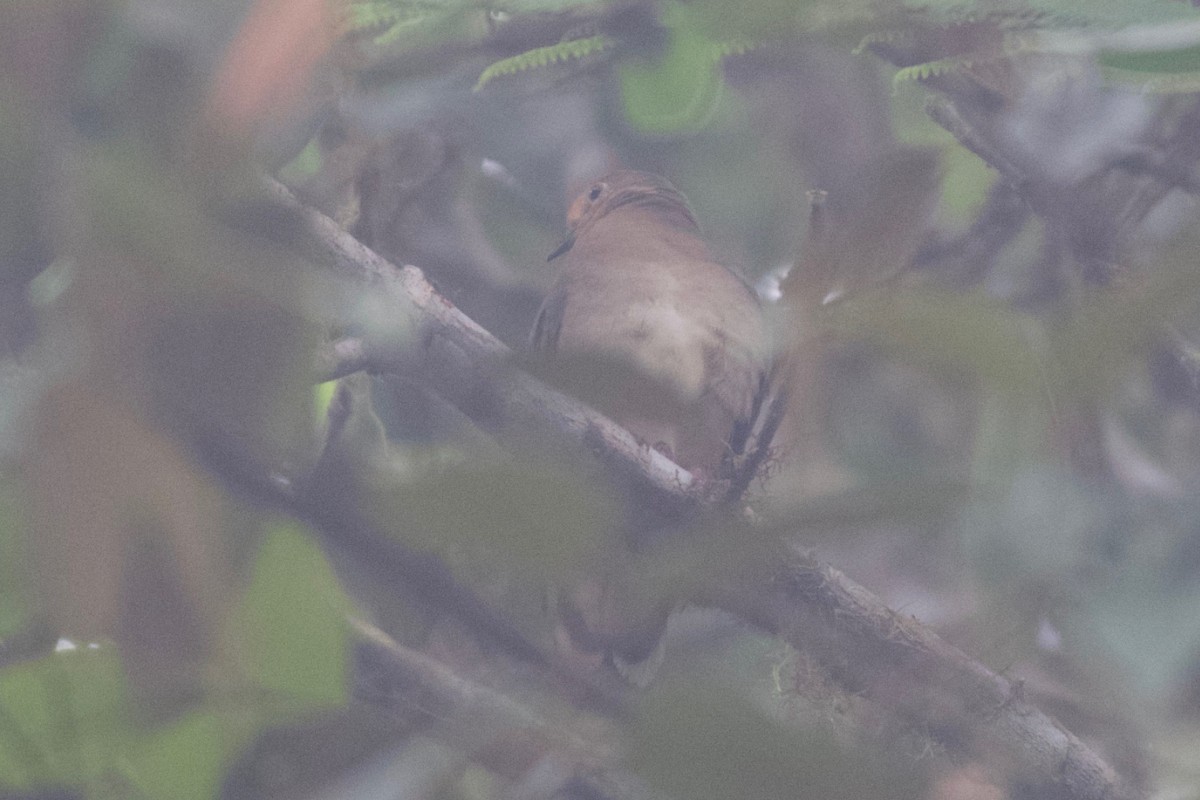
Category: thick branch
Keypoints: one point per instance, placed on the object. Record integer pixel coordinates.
(904, 667)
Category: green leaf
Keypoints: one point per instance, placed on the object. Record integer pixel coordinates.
(706, 743)
(509, 530)
(1158, 59)
(305, 165)
(389, 22)
(292, 621)
(1174, 83)
(13, 612)
(853, 246)
(183, 760)
(543, 56)
(756, 19)
(379, 15)
(1031, 525)
(958, 336)
(1148, 623)
(1185, 60)
(58, 716)
(931, 69)
(322, 397)
(532, 519)
(678, 91)
(965, 184)
(1012, 432)
(1118, 325)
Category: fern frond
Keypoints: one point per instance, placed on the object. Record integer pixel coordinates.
(1055, 14)
(397, 29)
(387, 19)
(892, 36)
(543, 56)
(374, 15)
(930, 69)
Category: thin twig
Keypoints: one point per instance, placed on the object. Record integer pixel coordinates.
(476, 718)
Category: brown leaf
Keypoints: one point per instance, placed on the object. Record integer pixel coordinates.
(126, 533)
(865, 237)
(269, 63)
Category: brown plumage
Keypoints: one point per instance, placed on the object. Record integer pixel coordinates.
(675, 347)
(640, 288)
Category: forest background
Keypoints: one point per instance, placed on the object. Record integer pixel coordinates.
(284, 502)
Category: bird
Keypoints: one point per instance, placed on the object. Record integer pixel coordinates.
(641, 297)
(673, 346)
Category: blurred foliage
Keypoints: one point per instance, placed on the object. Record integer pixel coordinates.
(293, 591)
(63, 715)
(511, 531)
(965, 179)
(542, 56)
(185, 758)
(386, 20)
(984, 434)
(1150, 44)
(68, 720)
(675, 92)
(13, 588)
(694, 740)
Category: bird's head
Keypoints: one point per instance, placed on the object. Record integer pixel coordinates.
(649, 194)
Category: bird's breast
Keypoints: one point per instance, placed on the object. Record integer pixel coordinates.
(654, 319)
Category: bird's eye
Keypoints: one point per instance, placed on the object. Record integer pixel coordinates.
(595, 192)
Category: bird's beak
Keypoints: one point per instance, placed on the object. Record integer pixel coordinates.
(562, 248)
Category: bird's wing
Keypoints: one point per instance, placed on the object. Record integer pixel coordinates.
(738, 382)
(548, 324)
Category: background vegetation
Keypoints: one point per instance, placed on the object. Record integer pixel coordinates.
(221, 576)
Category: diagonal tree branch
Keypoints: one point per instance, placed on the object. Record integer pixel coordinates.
(472, 370)
(912, 672)
(868, 648)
